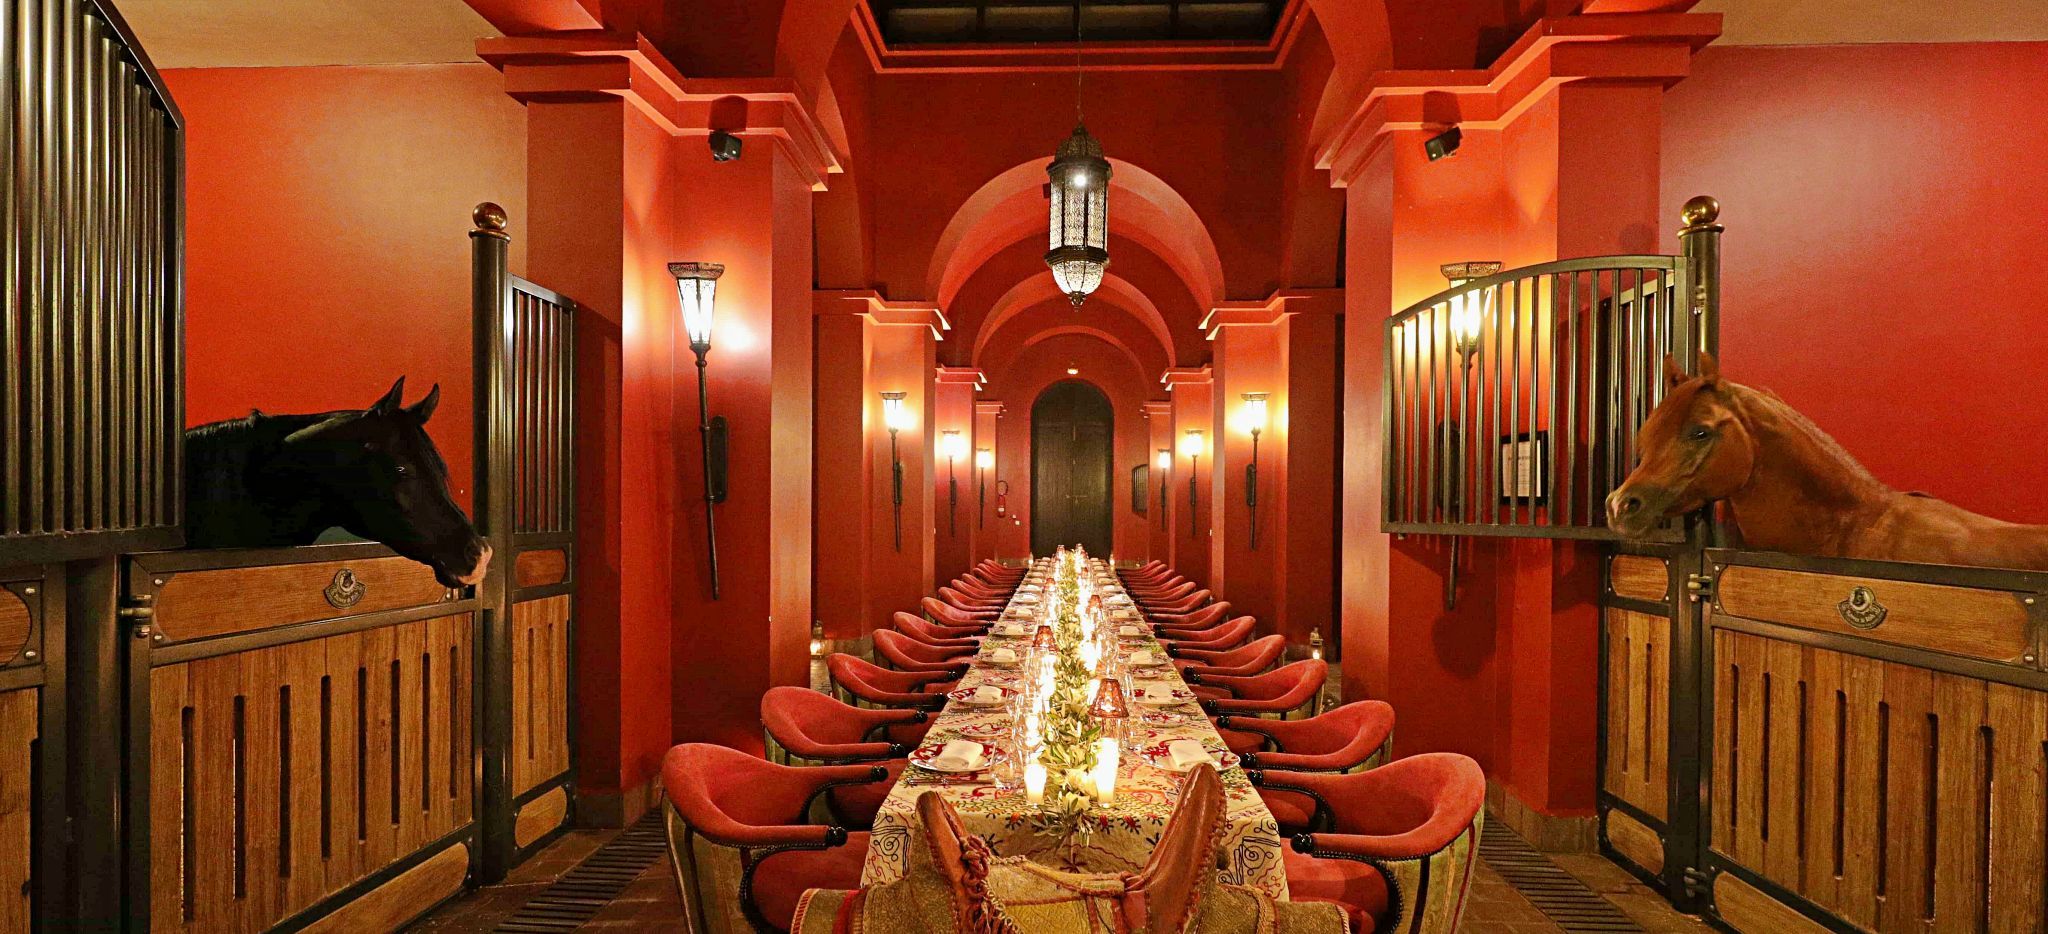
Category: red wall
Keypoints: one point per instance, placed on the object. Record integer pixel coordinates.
(327, 248)
(1883, 206)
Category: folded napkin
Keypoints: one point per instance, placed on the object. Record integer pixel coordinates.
(1153, 692)
(987, 694)
(966, 754)
(1127, 630)
(1141, 658)
(1002, 657)
(1184, 752)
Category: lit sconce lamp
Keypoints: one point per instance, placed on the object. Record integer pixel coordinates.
(817, 638)
(1165, 470)
(954, 446)
(896, 420)
(697, 290)
(1255, 422)
(1073, 370)
(1191, 447)
(1315, 644)
(1468, 311)
(984, 460)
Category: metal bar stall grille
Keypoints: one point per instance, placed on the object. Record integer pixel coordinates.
(1515, 397)
(90, 298)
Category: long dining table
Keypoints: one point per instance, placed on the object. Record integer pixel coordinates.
(1120, 835)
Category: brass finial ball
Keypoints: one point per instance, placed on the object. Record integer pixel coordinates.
(489, 216)
(1701, 211)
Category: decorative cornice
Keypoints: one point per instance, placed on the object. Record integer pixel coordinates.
(962, 375)
(593, 65)
(988, 407)
(1186, 376)
(1607, 48)
(1273, 309)
(1156, 407)
(962, 58)
(875, 308)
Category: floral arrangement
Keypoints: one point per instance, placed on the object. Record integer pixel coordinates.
(1070, 732)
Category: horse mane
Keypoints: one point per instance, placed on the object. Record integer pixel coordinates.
(1796, 421)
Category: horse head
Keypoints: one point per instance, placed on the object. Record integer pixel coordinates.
(381, 477)
(1695, 449)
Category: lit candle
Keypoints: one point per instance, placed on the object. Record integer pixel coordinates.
(1105, 770)
(1034, 783)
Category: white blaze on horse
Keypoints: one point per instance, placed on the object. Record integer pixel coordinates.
(280, 480)
(1791, 488)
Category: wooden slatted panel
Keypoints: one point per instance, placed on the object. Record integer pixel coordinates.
(281, 775)
(1638, 709)
(199, 604)
(1639, 576)
(540, 691)
(15, 623)
(1908, 799)
(19, 717)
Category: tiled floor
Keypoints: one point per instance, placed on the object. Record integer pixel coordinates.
(650, 905)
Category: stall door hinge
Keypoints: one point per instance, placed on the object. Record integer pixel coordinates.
(1699, 588)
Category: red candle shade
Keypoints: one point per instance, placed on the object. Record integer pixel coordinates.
(1043, 639)
(1109, 701)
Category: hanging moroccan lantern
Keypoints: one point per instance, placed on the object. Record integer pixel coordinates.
(1080, 215)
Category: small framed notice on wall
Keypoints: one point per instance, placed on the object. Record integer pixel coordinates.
(1524, 468)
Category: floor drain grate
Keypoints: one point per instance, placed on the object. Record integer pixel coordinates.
(1558, 894)
(584, 891)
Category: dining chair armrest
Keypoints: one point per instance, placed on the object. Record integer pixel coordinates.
(826, 778)
(1257, 725)
(884, 719)
(1298, 783)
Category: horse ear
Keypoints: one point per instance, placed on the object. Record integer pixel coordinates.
(1710, 368)
(391, 400)
(424, 409)
(1674, 375)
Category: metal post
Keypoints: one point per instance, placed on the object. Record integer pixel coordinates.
(710, 498)
(94, 740)
(896, 487)
(1700, 242)
(490, 306)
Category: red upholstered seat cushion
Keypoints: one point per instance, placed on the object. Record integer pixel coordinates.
(1293, 811)
(857, 804)
(1239, 741)
(1355, 884)
(783, 877)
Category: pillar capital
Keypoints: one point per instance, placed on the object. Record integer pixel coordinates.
(595, 65)
(1611, 47)
(1159, 408)
(1186, 376)
(879, 310)
(961, 375)
(1273, 309)
(988, 407)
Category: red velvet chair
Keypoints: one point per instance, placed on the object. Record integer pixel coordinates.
(742, 853)
(870, 685)
(945, 637)
(904, 653)
(1352, 738)
(1191, 625)
(953, 617)
(965, 602)
(1187, 604)
(1165, 594)
(806, 727)
(1398, 843)
(1251, 658)
(994, 570)
(980, 589)
(1222, 638)
(1288, 692)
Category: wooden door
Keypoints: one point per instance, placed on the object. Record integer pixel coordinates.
(1072, 437)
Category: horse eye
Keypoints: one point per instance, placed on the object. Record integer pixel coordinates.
(402, 471)
(1701, 433)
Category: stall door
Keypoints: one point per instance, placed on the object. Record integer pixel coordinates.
(1071, 435)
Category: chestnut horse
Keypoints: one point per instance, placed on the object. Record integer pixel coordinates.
(1791, 488)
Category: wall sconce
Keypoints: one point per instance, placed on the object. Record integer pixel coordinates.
(1443, 144)
(817, 638)
(1165, 470)
(697, 291)
(953, 445)
(1468, 314)
(984, 459)
(1191, 446)
(1255, 422)
(894, 418)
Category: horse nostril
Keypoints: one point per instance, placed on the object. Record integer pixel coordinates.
(1630, 505)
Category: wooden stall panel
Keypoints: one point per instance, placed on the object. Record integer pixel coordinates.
(540, 691)
(1638, 709)
(198, 604)
(1896, 797)
(1987, 624)
(539, 568)
(19, 717)
(281, 775)
(1639, 577)
(15, 625)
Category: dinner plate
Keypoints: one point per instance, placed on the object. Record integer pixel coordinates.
(1163, 718)
(1179, 696)
(923, 757)
(1159, 757)
(966, 696)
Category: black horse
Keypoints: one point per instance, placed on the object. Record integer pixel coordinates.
(275, 480)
